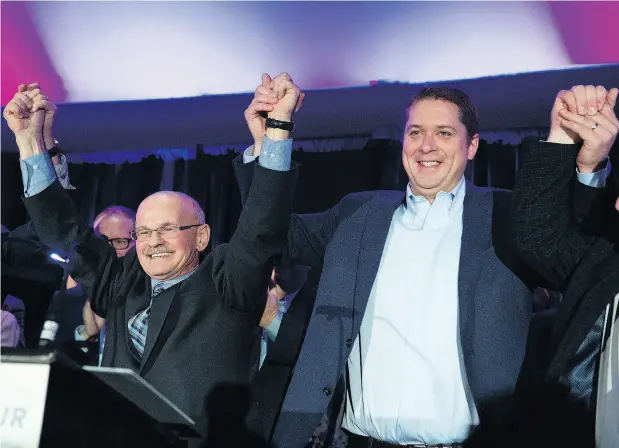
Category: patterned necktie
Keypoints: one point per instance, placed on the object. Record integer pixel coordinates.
(138, 324)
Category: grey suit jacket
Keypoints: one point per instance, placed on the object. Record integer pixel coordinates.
(347, 242)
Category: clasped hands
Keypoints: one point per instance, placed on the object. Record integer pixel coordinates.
(586, 114)
(278, 98)
(30, 115)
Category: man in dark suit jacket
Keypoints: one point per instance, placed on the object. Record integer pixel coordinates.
(559, 394)
(381, 255)
(186, 327)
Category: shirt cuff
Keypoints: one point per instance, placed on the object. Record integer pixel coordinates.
(272, 330)
(37, 173)
(248, 155)
(275, 154)
(62, 172)
(596, 179)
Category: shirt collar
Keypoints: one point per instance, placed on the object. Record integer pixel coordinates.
(413, 201)
(165, 284)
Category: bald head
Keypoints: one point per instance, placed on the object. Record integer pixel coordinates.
(182, 202)
(173, 250)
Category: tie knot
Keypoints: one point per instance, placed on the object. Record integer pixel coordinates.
(157, 289)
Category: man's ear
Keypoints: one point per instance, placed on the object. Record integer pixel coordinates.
(203, 237)
(473, 146)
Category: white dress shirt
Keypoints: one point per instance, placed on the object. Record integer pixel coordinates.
(407, 380)
(607, 412)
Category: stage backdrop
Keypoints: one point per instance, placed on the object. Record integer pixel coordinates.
(509, 107)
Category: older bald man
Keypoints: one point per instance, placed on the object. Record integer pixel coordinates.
(186, 327)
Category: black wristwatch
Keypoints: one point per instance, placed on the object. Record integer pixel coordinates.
(277, 124)
(55, 150)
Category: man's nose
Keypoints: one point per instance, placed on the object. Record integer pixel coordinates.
(428, 143)
(155, 239)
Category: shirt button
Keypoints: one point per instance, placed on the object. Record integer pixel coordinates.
(36, 167)
(326, 391)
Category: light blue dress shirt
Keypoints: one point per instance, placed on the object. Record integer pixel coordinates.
(38, 173)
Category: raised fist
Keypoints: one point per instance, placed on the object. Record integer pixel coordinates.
(29, 112)
(267, 100)
(581, 100)
(289, 97)
(597, 132)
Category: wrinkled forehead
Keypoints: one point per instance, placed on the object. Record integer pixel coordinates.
(156, 211)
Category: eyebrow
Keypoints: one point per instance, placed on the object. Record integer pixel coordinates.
(416, 126)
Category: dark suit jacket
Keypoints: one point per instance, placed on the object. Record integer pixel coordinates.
(201, 330)
(346, 243)
(572, 258)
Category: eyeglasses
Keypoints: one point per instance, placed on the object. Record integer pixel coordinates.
(118, 243)
(165, 232)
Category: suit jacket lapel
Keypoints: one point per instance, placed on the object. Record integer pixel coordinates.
(476, 239)
(376, 226)
(159, 313)
(133, 307)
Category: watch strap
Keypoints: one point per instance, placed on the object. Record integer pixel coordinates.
(278, 124)
(54, 151)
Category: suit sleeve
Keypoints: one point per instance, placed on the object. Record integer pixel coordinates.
(593, 208)
(94, 262)
(242, 268)
(308, 234)
(543, 233)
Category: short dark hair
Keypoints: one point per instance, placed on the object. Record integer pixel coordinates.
(468, 113)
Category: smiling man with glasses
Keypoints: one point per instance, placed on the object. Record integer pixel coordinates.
(186, 327)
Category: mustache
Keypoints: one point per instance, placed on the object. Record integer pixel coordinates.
(158, 250)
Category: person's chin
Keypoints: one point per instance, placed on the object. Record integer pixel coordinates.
(159, 266)
(428, 180)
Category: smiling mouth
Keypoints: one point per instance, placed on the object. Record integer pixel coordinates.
(429, 164)
(160, 255)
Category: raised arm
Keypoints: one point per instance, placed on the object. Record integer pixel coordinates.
(242, 268)
(308, 234)
(54, 216)
(543, 232)
(27, 231)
